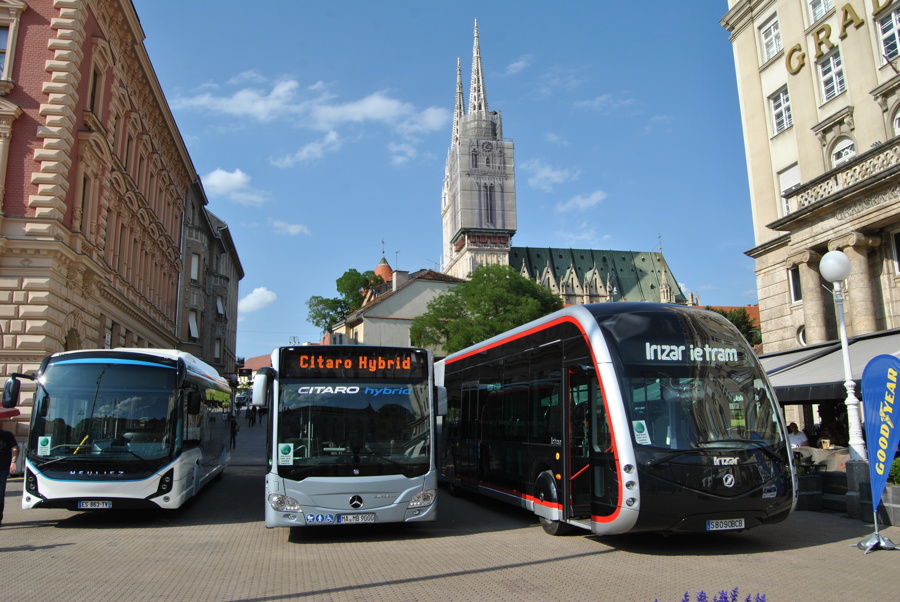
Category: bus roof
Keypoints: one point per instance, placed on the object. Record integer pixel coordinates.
(194, 365)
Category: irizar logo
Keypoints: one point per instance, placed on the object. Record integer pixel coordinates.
(725, 461)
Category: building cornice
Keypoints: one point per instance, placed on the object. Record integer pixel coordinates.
(767, 247)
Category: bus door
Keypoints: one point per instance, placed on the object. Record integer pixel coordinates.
(580, 388)
(591, 475)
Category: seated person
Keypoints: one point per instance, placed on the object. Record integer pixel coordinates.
(796, 437)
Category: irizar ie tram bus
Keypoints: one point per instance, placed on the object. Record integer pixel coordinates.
(350, 435)
(123, 428)
(619, 417)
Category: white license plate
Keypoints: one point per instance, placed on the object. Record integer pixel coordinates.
(95, 505)
(725, 525)
(356, 518)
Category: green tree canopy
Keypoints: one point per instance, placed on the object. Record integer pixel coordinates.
(325, 312)
(742, 320)
(495, 299)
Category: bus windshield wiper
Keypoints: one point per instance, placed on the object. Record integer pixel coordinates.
(761, 445)
(671, 456)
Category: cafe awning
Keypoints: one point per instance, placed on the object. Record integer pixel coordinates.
(816, 373)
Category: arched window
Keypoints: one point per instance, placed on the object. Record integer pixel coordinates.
(843, 150)
(474, 158)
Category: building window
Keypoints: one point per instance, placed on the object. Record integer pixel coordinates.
(4, 46)
(818, 8)
(787, 181)
(831, 74)
(770, 33)
(781, 111)
(193, 325)
(220, 305)
(195, 268)
(889, 24)
(896, 123)
(794, 279)
(9, 26)
(895, 238)
(843, 151)
(217, 351)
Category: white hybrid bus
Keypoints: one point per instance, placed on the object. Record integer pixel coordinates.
(123, 428)
(350, 435)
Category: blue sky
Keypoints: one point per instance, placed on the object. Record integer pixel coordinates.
(321, 129)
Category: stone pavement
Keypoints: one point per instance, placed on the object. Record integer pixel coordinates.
(217, 548)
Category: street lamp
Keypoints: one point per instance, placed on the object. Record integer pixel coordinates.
(835, 268)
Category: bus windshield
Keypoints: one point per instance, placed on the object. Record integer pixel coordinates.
(98, 410)
(712, 408)
(690, 382)
(358, 427)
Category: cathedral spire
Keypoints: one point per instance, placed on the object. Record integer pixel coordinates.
(458, 111)
(477, 96)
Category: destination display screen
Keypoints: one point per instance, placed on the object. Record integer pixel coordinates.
(352, 362)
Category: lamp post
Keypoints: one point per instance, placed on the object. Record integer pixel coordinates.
(835, 268)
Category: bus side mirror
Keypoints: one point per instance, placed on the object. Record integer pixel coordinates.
(441, 401)
(11, 393)
(261, 386)
(193, 403)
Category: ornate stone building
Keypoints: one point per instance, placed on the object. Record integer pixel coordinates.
(819, 88)
(96, 182)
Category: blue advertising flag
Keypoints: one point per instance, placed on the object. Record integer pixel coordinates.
(879, 387)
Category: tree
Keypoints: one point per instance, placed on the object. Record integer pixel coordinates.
(325, 312)
(742, 320)
(495, 299)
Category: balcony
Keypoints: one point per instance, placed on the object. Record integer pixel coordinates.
(879, 162)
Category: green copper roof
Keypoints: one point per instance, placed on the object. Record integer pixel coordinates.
(632, 275)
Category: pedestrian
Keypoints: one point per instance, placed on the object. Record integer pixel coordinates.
(9, 453)
(252, 414)
(235, 427)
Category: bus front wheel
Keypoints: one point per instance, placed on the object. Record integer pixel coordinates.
(545, 490)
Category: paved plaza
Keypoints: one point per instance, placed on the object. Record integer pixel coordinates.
(217, 548)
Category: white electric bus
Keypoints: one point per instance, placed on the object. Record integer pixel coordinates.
(350, 435)
(618, 417)
(123, 428)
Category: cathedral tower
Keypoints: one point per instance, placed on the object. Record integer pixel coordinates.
(478, 204)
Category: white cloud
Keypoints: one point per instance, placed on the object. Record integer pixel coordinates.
(519, 65)
(248, 102)
(316, 149)
(657, 123)
(290, 229)
(580, 202)
(315, 108)
(556, 139)
(251, 75)
(544, 176)
(259, 299)
(233, 185)
(605, 102)
(401, 152)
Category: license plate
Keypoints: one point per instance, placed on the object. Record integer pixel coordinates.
(95, 505)
(356, 518)
(725, 525)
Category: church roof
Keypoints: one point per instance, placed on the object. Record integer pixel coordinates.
(635, 275)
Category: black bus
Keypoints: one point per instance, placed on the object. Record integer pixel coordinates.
(619, 417)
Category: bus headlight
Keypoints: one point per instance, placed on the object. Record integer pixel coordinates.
(424, 498)
(283, 503)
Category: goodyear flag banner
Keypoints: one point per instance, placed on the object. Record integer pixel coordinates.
(879, 390)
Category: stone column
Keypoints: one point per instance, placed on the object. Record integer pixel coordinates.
(859, 299)
(807, 262)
